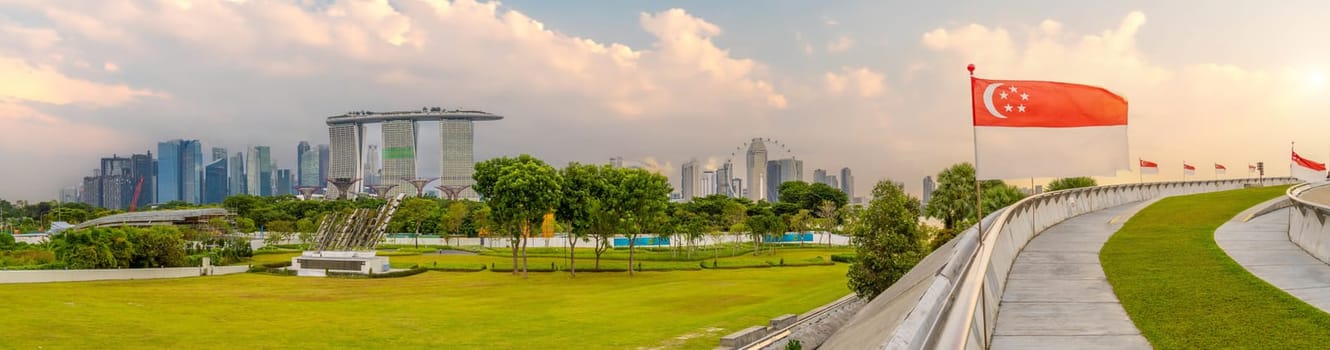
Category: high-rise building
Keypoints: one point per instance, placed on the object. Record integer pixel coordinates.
(216, 181)
(929, 186)
(772, 182)
(308, 168)
(791, 170)
(168, 171)
(736, 187)
(116, 174)
(301, 149)
(708, 182)
(191, 171)
(238, 179)
(780, 171)
(458, 158)
(323, 167)
(689, 178)
(258, 171)
(69, 194)
(344, 168)
(217, 153)
(91, 193)
(723, 177)
(371, 175)
(819, 176)
(833, 182)
(616, 162)
(847, 182)
(757, 169)
(399, 155)
(284, 184)
(180, 171)
(145, 170)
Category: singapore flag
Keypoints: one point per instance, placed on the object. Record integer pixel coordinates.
(1047, 129)
(1307, 170)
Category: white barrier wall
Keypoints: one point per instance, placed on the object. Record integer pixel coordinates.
(958, 310)
(1307, 225)
(41, 276)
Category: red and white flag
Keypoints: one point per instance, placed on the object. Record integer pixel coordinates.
(1220, 169)
(1047, 129)
(1251, 168)
(1187, 169)
(1148, 167)
(1307, 170)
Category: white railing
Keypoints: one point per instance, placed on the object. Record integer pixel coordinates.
(1309, 223)
(959, 307)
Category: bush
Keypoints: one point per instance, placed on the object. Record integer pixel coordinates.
(277, 265)
(843, 258)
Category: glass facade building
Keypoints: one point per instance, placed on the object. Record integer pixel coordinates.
(168, 171)
(216, 181)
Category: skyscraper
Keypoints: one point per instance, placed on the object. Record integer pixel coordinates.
(168, 171)
(723, 177)
(929, 185)
(301, 149)
(258, 171)
(344, 168)
(116, 186)
(708, 182)
(820, 176)
(736, 187)
(284, 185)
(144, 169)
(180, 171)
(308, 168)
(757, 169)
(217, 153)
(771, 185)
(458, 158)
(323, 166)
(689, 178)
(215, 180)
(833, 182)
(847, 182)
(69, 194)
(91, 193)
(238, 180)
(780, 171)
(371, 172)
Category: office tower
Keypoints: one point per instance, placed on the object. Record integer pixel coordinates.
(757, 169)
(168, 171)
(258, 171)
(144, 169)
(847, 182)
(344, 168)
(780, 171)
(284, 184)
(736, 187)
(217, 153)
(458, 155)
(370, 175)
(723, 177)
(323, 166)
(929, 185)
(216, 181)
(689, 178)
(308, 166)
(191, 171)
(772, 182)
(301, 149)
(399, 155)
(708, 182)
(116, 186)
(457, 160)
(820, 176)
(616, 162)
(833, 182)
(91, 193)
(238, 179)
(69, 194)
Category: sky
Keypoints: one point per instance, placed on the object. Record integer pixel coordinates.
(877, 86)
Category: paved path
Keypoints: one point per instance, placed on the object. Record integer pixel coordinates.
(1261, 245)
(1057, 296)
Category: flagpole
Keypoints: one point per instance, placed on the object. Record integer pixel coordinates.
(978, 207)
(1140, 172)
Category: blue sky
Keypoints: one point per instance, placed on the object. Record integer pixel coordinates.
(876, 86)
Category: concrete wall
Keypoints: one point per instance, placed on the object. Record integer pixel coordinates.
(41, 276)
(949, 300)
(1309, 223)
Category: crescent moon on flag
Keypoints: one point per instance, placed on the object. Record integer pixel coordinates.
(988, 100)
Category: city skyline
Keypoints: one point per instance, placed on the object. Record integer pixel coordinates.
(886, 98)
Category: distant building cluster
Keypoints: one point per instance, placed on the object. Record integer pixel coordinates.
(763, 176)
(180, 172)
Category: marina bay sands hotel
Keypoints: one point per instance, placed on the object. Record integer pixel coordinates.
(346, 134)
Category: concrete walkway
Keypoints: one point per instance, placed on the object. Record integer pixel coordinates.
(1261, 245)
(1057, 296)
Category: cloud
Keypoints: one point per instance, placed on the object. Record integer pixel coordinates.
(44, 84)
(839, 45)
(860, 81)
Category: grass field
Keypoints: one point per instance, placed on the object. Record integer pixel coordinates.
(1183, 292)
(667, 310)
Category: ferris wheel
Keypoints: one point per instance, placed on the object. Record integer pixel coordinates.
(775, 149)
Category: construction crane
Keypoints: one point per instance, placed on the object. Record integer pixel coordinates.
(137, 190)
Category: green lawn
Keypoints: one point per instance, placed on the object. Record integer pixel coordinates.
(683, 309)
(1183, 292)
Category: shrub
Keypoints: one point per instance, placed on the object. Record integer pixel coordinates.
(843, 258)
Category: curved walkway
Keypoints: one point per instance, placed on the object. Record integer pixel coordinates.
(1261, 246)
(1057, 296)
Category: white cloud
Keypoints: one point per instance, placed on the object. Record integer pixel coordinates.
(841, 44)
(110, 67)
(859, 81)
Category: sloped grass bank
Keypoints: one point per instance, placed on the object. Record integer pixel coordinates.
(1183, 292)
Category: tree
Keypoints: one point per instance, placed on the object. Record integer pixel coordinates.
(735, 214)
(888, 241)
(800, 222)
(1067, 183)
(520, 191)
(642, 198)
(764, 224)
(953, 200)
(451, 220)
(245, 225)
(413, 215)
(827, 213)
(583, 187)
